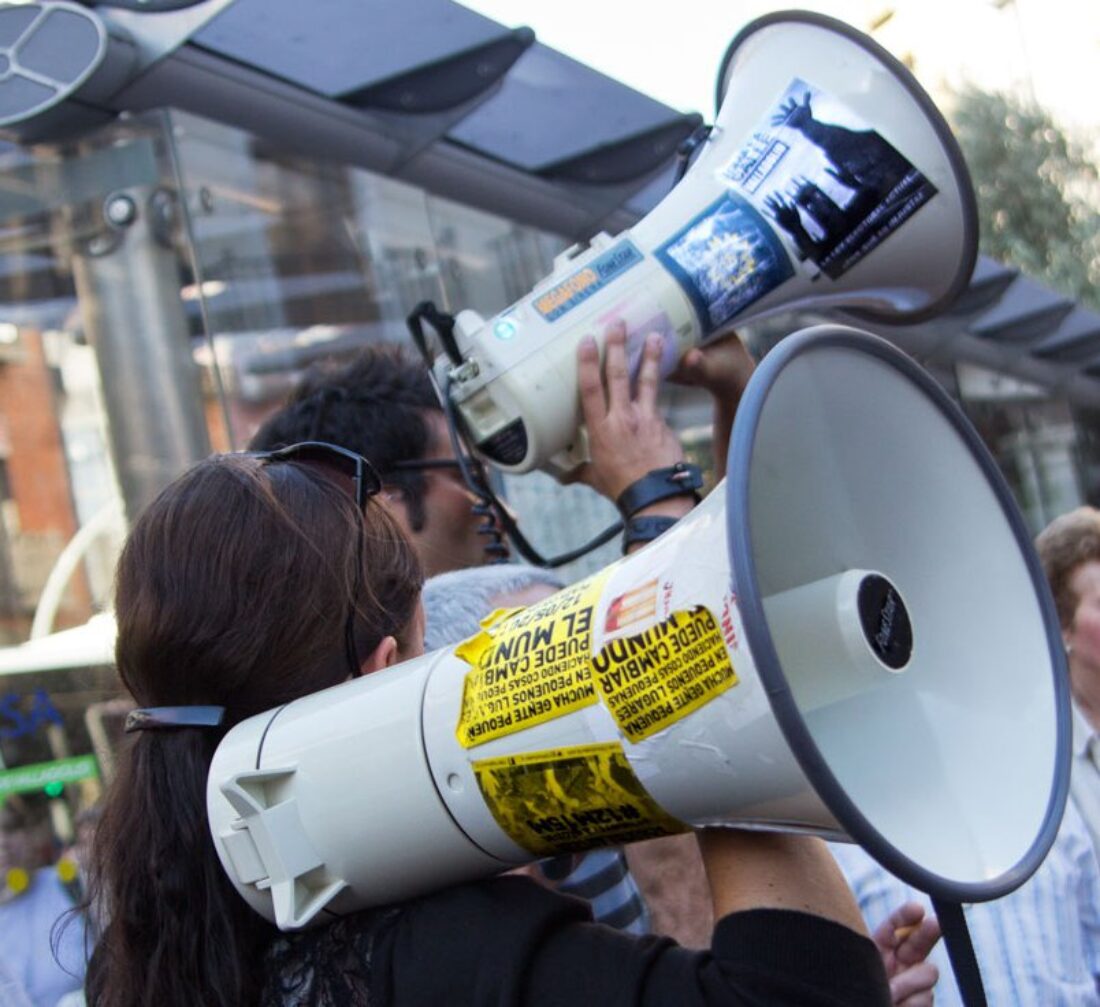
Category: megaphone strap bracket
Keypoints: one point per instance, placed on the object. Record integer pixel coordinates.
(681, 479)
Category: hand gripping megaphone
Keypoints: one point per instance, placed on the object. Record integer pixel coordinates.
(851, 636)
(829, 180)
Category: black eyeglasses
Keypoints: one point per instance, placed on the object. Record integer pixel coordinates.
(471, 464)
(367, 483)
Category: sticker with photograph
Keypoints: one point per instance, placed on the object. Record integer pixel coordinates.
(834, 187)
(726, 258)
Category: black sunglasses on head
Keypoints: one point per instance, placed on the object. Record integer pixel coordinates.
(367, 483)
(365, 476)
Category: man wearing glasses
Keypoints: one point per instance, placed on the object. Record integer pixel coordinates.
(381, 405)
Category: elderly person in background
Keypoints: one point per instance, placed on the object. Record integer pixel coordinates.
(1069, 548)
(41, 948)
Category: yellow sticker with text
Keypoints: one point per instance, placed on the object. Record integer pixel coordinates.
(567, 799)
(529, 666)
(655, 678)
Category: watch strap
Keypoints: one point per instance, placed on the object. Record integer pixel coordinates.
(681, 479)
(645, 529)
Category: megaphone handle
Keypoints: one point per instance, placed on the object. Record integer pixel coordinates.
(960, 949)
(487, 498)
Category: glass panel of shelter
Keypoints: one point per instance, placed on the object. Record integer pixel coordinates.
(297, 261)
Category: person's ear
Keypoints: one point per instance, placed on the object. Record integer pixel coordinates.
(397, 503)
(381, 657)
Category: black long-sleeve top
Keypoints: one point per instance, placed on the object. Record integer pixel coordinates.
(508, 941)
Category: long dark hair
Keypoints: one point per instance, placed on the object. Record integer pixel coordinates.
(232, 590)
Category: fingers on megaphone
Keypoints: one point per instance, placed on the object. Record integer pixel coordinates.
(589, 381)
(722, 367)
(632, 368)
(649, 371)
(616, 368)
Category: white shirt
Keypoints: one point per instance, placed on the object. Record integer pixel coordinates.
(1084, 780)
(1038, 946)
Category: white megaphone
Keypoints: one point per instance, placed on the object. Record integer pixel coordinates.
(851, 636)
(825, 146)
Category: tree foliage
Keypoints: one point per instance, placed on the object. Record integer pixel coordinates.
(1037, 188)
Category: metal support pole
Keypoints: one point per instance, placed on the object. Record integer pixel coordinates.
(128, 285)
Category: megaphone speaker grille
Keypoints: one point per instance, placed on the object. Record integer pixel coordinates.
(848, 457)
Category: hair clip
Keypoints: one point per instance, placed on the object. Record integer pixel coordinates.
(158, 718)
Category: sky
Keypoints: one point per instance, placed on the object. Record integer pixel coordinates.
(1049, 49)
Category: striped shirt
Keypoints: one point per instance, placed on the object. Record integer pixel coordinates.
(1039, 945)
(601, 877)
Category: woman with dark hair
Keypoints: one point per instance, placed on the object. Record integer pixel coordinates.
(235, 589)
(257, 579)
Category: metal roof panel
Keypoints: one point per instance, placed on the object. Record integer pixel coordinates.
(1026, 311)
(1076, 339)
(334, 47)
(551, 109)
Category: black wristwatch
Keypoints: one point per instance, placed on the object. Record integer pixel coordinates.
(681, 479)
(645, 529)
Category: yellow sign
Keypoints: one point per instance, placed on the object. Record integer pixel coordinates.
(659, 676)
(529, 666)
(567, 799)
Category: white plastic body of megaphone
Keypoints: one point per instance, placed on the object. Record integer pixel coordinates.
(829, 180)
(851, 636)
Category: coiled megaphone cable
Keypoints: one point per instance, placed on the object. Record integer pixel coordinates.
(494, 509)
